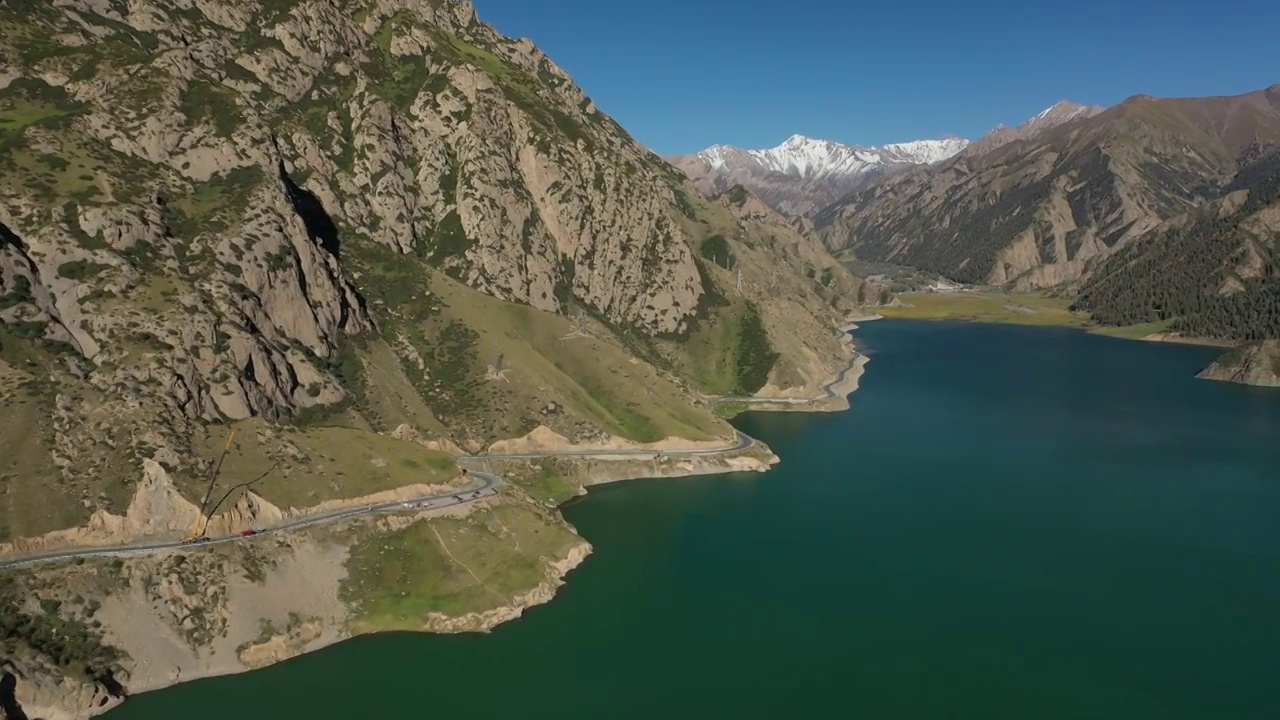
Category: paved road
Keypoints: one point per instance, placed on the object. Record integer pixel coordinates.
(740, 442)
(487, 486)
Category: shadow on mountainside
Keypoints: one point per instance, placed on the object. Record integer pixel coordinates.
(320, 227)
(8, 700)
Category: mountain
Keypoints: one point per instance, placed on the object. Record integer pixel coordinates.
(1213, 272)
(803, 174)
(1046, 211)
(1047, 119)
(260, 259)
(1256, 363)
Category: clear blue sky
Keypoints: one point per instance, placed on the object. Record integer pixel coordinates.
(684, 74)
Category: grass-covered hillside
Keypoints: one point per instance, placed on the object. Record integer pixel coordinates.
(347, 216)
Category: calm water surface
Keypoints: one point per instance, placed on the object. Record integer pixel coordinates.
(1009, 523)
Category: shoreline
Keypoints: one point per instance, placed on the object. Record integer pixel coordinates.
(604, 465)
(834, 396)
(486, 621)
(1178, 339)
(1031, 309)
(1208, 372)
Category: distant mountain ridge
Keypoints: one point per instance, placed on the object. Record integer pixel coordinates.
(804, 174)
(810, 158)
(1060, 112)
(1044, 211)
(1156, 212)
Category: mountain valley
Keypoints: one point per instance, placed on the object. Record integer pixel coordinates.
(1158, 213)
(263, 260)
(375, 274)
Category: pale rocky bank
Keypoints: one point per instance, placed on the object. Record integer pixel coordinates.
(1251, 364)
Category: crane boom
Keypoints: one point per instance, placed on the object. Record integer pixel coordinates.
(202, 522)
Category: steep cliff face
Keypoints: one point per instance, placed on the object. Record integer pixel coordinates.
(1042, 212)
(217, 211)
(407, 125)
(343, 239)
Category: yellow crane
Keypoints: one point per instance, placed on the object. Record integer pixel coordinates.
(202, 522)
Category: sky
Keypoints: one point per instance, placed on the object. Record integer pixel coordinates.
(681, 75)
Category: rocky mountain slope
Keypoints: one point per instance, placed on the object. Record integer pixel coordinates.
(1256, 363)
(345, 239)
(1159, 214)
(802, 174)
(1047, 119)
(1213, 272)
(1042, 212)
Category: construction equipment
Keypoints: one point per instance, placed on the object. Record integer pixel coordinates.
(579, 326)
(496, 371)
(202, 522)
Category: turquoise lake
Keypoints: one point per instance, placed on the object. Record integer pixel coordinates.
(1009, 523)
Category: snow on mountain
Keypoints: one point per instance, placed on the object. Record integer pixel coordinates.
(810, 159)
(1058, 113)
(803, 174)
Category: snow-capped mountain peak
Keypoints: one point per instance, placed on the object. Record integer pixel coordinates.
(925, 152)
(810, 158)
(1057, 114)
(803, 173)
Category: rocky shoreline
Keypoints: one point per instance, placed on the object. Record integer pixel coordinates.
(610, 461)
(1255, 364)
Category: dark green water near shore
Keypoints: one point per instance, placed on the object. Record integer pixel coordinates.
(1009, 523)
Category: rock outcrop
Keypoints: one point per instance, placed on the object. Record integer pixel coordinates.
(1251, 364)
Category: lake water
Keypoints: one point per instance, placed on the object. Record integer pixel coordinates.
(1009, 523)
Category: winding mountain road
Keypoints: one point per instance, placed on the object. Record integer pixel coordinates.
(487, 486)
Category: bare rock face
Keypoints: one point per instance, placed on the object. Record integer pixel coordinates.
(185, 238)
(377, 227)
(1208, 273)
(36, 692)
